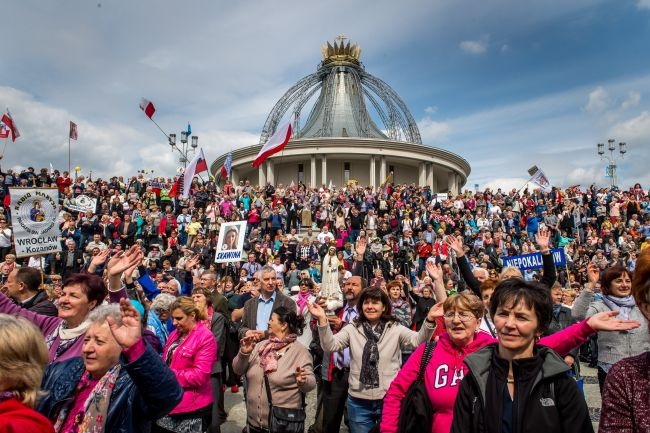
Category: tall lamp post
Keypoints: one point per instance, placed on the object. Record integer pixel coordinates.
(186, 146)
(612, 157)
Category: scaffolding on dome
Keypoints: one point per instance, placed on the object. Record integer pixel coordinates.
(344, 89)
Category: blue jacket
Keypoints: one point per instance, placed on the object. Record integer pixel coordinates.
(145, 390)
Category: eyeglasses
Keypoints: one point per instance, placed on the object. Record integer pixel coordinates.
(464, 316)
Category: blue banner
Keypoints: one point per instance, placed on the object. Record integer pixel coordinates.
(534, 260)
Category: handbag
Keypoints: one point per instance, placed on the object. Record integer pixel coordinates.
(416, 410)
(282, 419)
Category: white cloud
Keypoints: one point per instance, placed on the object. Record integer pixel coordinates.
(478, 46)
(635, 131)
(432, 131)
(585, 176)
(633, 99)
(598, 100)
(505, 183)
(431, 110)
(643, 4)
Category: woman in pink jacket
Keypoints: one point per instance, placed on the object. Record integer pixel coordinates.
(443, 375)
(190, 352)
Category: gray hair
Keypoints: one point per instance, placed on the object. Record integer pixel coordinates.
(162, 302)
(483, 271)
(266, 269)
(99, 314)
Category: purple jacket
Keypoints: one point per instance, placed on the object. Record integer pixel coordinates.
(48, 325)
(192, 363)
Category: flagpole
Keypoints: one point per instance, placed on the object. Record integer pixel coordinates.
(161, 130)
(5, 147)
(69, 165)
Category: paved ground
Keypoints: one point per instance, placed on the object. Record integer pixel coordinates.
(237, 411)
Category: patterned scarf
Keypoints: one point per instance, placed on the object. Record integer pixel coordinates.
(269, 351)
(624, 305)
(93, 418)
(302, 300)
(67, 336)
(369, 376)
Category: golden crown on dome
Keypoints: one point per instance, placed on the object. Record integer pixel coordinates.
(341, 52)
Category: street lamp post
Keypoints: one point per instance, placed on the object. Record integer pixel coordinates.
(611, 158)
(185, 147)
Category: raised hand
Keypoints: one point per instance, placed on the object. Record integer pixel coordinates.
(456, 244)
(607, 321)
(246, 345)
(100, 258)
(593, 273)
(360, 247)
(124, 260)
(193, 262)
(543, 238)
(435, 312)
(130, 330)
(434, 270)
(128, 273)
(318, 312)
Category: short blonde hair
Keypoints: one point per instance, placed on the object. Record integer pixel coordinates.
(464, 301)
(23, 357)
(510, 272)
(187, 306)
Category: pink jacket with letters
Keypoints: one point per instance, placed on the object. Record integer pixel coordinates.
(446, 370)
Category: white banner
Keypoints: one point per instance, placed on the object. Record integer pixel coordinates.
(81, 203)
(540, 179)
(230, 244)
(33, 216)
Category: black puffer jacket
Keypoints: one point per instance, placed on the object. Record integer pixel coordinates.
(546, 399)
(145, 390)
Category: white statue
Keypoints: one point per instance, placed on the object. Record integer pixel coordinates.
(330, 289)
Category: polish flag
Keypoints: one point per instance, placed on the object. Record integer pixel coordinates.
(148, 108)
(226, 167)
(198, 165)
(275, 144)
(11, 125)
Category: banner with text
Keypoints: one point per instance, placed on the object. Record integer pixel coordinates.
(33, 215)
(81, 203)
(230, 245)
(534, 260)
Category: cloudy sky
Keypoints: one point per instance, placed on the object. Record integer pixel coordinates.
(506, 84)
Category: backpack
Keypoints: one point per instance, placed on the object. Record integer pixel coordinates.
(416, 412)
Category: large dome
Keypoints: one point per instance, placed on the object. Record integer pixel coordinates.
(340, 92)
(349, 127)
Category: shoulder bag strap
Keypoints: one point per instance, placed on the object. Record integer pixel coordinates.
(267, 385)
(426, 357)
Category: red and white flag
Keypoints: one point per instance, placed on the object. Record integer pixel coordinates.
(73, 130)
(198, 165)
(275, 144)
(11, 125)
(148, 108)
(4, 131)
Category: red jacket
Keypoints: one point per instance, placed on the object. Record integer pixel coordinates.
(192, 363)
(15, 417)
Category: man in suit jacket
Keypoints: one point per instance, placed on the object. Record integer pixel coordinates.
(257, 311)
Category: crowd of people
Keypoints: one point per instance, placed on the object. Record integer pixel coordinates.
(132, 326)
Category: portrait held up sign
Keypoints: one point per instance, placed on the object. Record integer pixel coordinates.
(230, 244)
(33, 215)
